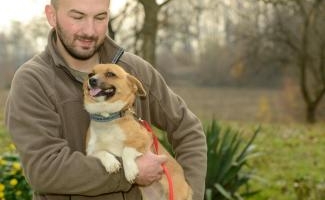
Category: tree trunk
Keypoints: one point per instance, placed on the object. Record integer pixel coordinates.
(311, 113)
(149, 30)
(312, 96)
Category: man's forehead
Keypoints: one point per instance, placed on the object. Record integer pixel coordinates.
(82, 5)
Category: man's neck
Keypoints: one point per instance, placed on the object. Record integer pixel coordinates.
(76, 64)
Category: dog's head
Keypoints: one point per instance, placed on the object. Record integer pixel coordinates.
(110, 89)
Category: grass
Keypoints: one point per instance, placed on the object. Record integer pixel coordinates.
(292, 155)
(4, 140)
(4, 136)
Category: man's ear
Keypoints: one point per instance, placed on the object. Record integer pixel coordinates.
(137, 85)
(50, 15)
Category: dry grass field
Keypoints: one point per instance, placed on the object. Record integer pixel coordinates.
(242, 104)
(225, 103)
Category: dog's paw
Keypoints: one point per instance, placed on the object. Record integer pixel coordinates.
(111, 165)
(131, 171)
(130, 167)
(109, 161)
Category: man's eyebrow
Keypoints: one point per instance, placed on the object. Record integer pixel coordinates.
(81, 13)
(76, 11)
(102, 13)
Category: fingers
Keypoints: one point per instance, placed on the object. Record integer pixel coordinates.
(150, 168)
(162, 159)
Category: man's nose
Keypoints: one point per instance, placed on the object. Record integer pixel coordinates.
(89, 28)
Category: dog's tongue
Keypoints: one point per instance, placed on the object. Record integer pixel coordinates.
(94, 91)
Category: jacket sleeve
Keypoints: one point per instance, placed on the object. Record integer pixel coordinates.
(169, 112)
(50, 166)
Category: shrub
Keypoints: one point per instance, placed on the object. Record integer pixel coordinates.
(226, 160)
(13, 185)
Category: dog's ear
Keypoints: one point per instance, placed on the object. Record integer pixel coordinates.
(137, 85)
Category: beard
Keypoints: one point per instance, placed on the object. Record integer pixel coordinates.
(69, 44)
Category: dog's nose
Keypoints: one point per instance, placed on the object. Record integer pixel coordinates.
(93, 82)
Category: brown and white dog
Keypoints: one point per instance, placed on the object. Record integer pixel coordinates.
(109, 95)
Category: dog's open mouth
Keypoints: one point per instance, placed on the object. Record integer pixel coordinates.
(99, 92)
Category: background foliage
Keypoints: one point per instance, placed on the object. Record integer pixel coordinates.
(228, 163)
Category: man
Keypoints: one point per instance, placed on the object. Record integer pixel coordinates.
(47, 122)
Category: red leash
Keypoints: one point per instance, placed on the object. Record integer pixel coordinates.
(155, 143)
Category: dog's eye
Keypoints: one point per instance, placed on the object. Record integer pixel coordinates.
(91, 74)
(110, 74)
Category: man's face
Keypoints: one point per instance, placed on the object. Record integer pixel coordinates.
(81, 26)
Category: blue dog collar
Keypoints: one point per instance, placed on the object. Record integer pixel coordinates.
(100, 118)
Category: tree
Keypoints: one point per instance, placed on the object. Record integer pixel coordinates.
(137, 25)
(149, 30)
(298, 28)
(19, 44)
(116, 22)
(286, 33)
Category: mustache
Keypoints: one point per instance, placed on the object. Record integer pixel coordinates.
(86, 37)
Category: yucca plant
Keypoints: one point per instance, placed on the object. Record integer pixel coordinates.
(227, 156)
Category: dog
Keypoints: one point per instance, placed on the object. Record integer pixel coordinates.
(114, 131)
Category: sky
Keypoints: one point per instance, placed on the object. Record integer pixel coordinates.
(25, 10)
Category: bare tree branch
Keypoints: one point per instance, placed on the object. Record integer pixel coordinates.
(164, 3)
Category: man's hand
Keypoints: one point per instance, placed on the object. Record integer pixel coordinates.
(150, 169)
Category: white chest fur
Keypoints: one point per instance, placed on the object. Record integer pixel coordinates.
(106, 137)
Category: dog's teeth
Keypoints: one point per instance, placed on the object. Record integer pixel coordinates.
(109, 90)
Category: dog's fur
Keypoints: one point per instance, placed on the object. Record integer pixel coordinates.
(108, 90)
